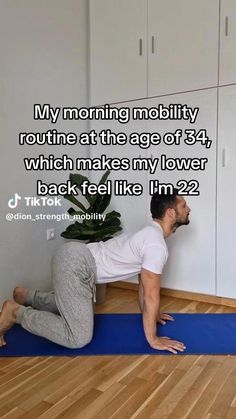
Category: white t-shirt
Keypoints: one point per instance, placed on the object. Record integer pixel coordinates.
(123, 256)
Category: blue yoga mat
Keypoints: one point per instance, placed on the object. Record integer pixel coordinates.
(122, 334)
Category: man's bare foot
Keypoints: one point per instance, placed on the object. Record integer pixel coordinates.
(20, 295)
(7, 318)
(2, 341)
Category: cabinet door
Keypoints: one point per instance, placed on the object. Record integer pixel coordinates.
(228, 42)
(226, 201)
(133, 209)
(182, 45)
(118, 52)
(191, 263)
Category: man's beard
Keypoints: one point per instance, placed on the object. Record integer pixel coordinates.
(180, 223)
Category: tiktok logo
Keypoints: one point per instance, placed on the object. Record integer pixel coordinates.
(13, 202)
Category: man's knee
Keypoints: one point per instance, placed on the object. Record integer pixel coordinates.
(81, 341)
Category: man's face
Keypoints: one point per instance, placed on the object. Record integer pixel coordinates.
(182, 212)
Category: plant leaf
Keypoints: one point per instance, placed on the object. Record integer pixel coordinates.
(77, 180)
(75, 201)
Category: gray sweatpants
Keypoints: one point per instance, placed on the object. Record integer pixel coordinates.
(66, 315)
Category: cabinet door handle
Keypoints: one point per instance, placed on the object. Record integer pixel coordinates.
(153, 45)
(223, 157)
(140, 47)
(226, 26)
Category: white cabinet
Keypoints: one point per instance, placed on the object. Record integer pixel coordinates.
(118, 50)
(228, 42)
(150, 50)
(133, 209)
(226, 201)
(191, 263)
(141, 48)
(183, 45)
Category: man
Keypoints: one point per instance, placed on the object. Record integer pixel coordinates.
(65, 316)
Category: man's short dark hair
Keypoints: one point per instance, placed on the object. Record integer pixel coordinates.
(160, 203)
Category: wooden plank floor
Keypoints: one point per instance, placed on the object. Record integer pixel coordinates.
(118, 387)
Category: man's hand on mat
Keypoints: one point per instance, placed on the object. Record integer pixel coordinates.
(163, 317)
(166, 344)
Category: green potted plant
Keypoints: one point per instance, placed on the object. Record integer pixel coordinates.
(91, 229)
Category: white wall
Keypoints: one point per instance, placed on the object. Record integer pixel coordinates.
(43, 54)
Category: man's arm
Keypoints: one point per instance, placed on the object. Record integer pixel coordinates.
(140, 292)
(149, 292)
(162, 317)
